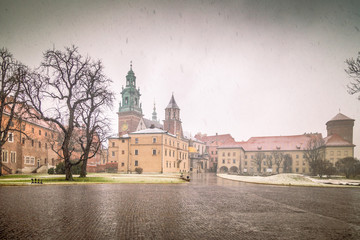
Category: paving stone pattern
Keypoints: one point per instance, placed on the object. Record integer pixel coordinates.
(206, 208)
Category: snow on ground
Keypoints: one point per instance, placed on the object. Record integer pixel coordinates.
(289, 179)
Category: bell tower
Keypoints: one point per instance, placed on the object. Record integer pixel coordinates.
(130, 111)
(172, 122)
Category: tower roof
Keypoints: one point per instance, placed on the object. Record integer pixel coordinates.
(340, 117)
(172, 103)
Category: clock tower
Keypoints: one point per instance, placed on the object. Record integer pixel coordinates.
(130, 111)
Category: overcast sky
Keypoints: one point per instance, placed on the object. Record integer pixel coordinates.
(248, 68)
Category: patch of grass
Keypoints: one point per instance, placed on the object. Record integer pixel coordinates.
(113, 178)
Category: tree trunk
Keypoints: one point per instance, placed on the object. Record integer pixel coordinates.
(68, 174)
(83, 168)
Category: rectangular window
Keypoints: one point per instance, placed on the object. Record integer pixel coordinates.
(113, 144)
(32, 143)
(136, 152)
(228, 154)
(32, 130)
(39, 144)
(122, 164)
(165, 140)
(123, 152)
(165, 152)
(27, 160)
(252, 156)
(23, 140)
(136, 140)
(154, 140)
(45, 145)
(297, 156)
(234, 160)
(223, 160)
(10, 137)
(13, 157)
(245, 163)
(223, 154)
(4, 156)
(113, 153)
(154, 151)
(45, 134)
(136, 163)
(228, 160)
(39, 132)
(23, 127)
(245, 156)
(123, 141)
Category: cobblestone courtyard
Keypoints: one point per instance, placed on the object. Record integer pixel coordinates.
(206, 208)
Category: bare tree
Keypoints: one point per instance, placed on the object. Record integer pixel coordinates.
(91, 119)
(278, 159)
(353, 70)
(269, 161)
(56, 92)
(348, 166)
(259, 156)
(314, 154)
(12, 75)
(287, 163)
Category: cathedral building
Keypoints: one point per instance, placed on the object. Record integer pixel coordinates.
(144, 143)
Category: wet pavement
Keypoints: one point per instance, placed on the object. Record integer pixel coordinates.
(206, 208)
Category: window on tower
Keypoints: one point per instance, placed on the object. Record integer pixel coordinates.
(126, 100)
(136, 101)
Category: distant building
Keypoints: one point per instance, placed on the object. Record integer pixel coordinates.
(212, 143)
(198, 156)
(239, 156)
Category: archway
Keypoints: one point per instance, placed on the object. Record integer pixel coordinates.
(234, 169)
(223, 169)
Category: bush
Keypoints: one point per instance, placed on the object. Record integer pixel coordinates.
(60, 168)
(51, 170)
(138, 170)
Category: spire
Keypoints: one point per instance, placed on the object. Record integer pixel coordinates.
(154, 114)
(130, 65)
(172, 103)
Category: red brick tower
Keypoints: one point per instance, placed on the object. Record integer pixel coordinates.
(172, 122)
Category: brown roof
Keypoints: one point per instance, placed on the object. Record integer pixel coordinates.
(337, 141)
(340, 117)
(172, 103)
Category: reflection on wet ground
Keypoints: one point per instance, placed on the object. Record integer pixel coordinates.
(206, 208)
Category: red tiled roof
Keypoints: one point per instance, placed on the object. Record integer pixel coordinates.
(217, 140)
(336, 141)
(271, 143)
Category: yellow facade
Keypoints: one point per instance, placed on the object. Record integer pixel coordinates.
(237, 160)
(153, 150)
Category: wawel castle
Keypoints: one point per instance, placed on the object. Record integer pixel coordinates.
(164, 147)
